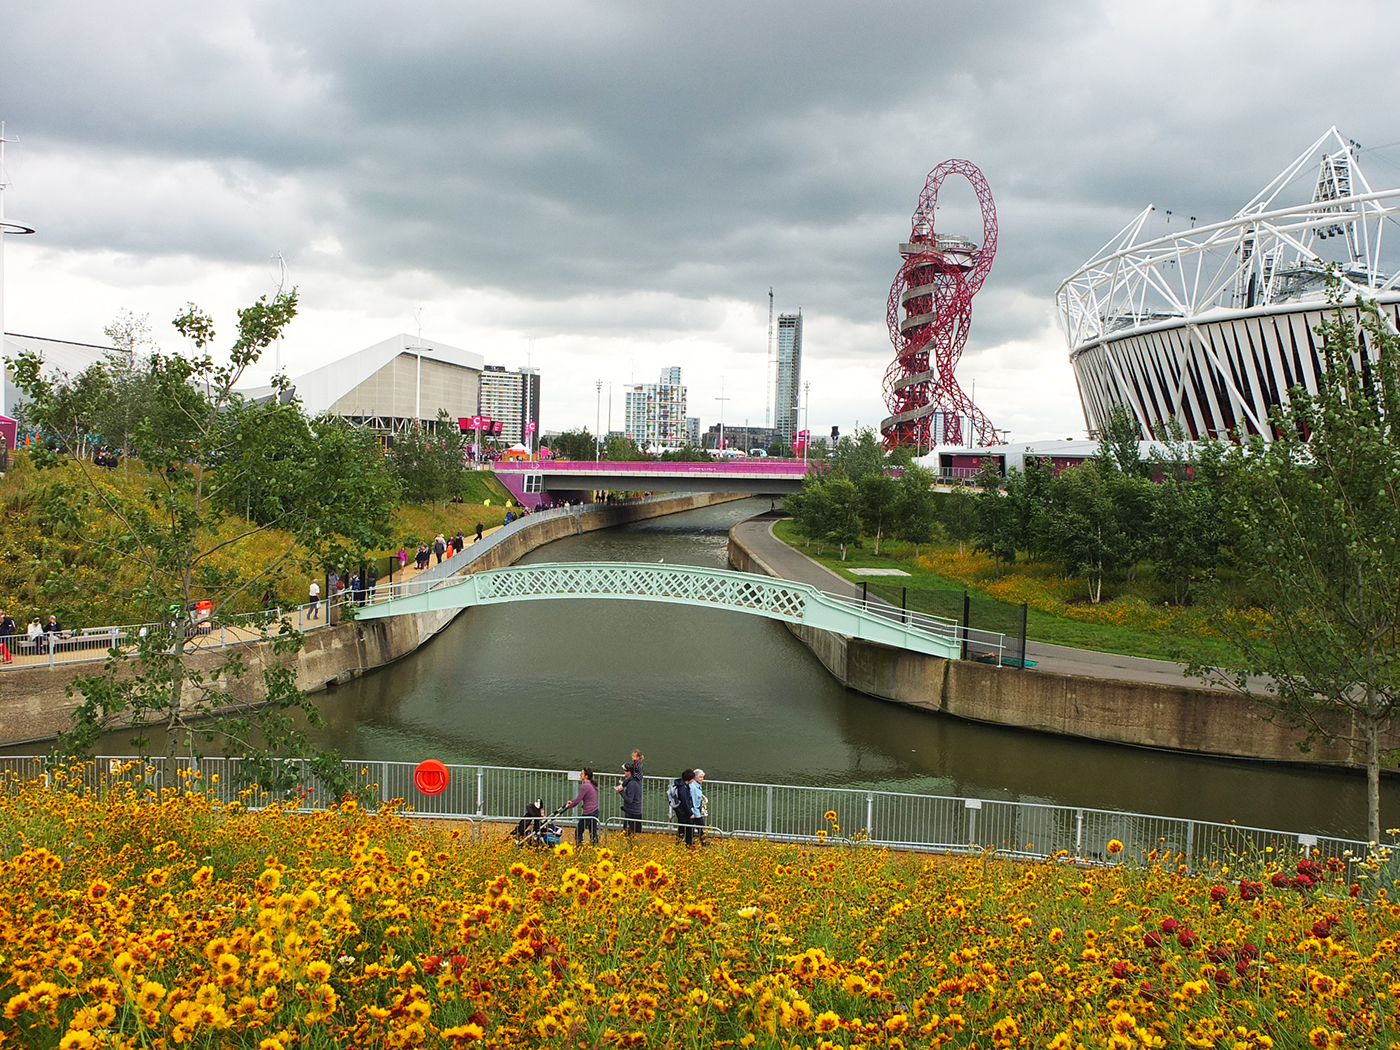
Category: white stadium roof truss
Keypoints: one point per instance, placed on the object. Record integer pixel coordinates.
(1268, 257)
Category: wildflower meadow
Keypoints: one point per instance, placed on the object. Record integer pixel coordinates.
(128, 920)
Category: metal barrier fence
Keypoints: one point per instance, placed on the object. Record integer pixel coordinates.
(782, 812)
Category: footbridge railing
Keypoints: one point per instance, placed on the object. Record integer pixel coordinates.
(694, 586)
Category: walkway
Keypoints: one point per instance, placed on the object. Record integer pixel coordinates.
(791, 564)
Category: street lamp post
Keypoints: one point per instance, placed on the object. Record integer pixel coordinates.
(597, 425)
(721, 399)
(418, 384)
(807, 421)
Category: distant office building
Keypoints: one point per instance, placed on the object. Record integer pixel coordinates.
(785, 417)
(692, 430)
(389, 385)
(744, 438)
(656, 411)
(513, 398)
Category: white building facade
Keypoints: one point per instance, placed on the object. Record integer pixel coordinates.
(655, 412)
(789, 386)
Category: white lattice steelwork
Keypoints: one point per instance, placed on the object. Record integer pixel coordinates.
(1212, 325)
(744, 592)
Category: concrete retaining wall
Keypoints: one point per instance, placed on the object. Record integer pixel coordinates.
(34, 701)
(1177, 718)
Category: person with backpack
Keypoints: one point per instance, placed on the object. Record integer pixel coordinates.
(439, 547)
(7, 628)
(680, 799)
(587, 802)
(631, 791)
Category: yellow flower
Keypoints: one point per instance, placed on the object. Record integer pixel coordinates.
(829, 816)
(1114, 846)
(323, 1002)
(78, 1039)
(202, 876)
(827, 1021)
(464, 1033)
(123, 965)
(150, 995)
(748, 912)
(318, 971)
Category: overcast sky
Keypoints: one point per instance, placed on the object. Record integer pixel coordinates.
(610, 188)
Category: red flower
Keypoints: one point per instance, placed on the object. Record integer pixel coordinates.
(1169, 925)
(1250, 890)
(1218, 893)
(1280, 880)
(1186, 938)
(1151, 939)
(1218, 955)
(1355, 890)
(1121, 968)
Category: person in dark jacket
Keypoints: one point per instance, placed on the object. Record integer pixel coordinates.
(587, 802)
(479, 531)
(7, 628)
(631, 791)
(685, 820)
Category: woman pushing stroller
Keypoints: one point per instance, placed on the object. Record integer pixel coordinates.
(587, 801)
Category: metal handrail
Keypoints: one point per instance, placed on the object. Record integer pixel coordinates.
(780, 812)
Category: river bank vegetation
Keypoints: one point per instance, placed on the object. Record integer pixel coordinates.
(127, 920)
(1275, 561)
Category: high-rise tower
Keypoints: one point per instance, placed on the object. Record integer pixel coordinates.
(789, 385)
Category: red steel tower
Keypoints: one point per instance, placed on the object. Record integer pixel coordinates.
(930, 310)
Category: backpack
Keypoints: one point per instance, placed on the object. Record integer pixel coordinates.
(673, 795)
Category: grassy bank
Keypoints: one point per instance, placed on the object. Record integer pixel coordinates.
(939, 576)
(62, 551)
(128, 922)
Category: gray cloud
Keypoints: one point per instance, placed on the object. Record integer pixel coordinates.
(566, 152)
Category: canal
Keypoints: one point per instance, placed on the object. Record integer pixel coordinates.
(562, 684)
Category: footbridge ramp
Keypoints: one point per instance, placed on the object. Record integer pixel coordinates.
(690, 585)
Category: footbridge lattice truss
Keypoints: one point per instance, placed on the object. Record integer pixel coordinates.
(698, 587)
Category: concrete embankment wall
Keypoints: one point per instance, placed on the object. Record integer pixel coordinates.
(1177, 718)
(33, 701)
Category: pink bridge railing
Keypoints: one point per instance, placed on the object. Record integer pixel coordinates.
(652, 468)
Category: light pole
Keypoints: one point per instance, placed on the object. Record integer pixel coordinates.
(807, 421)
(721, 399)
(418, 384)
(597, 425)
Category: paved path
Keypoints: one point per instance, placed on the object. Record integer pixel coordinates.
(792, 564)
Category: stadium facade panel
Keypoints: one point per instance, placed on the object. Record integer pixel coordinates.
(1212, 325)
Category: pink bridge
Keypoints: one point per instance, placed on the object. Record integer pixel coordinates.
(534, 481)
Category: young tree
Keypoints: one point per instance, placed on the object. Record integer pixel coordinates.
(1081, 524)
(201, 446)
(1316, 516)
(957, 513)
(429, 463)
(916, 507)
(999, 532)
(1184, 531)
(879, 498)
(841, 524)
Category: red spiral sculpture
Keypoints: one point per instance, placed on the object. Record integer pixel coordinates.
(933, 291)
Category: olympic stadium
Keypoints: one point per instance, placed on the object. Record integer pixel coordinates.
(1213, 325)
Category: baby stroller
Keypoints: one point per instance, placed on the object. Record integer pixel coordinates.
(536, 829)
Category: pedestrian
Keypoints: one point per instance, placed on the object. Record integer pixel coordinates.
(7, 628)
(35, 634)
(268, 598)
(478, 531)
(315, 603)
(356, 589)
(403, 559)
(439, 547)
(699, 805)
(631, 791)
(680, 798)
(53, 630)
(458, 542)
(587, 802)
(373, 581)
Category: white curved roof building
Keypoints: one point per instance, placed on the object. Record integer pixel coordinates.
(1213, 325)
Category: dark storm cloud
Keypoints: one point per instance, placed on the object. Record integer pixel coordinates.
(560, 150)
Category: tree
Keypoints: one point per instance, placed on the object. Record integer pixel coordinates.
(1184, 531)
(916, 507)
(1082, 526)
(201, 447)
(1315, 516)
(957, 513)
(1119, 443)
(429, 463)
(999, 531)
(622, 449)
(842, 512)
(860, 455)
(879, 497)
(573, 444)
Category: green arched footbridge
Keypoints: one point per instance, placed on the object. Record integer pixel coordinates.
(690, 585)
